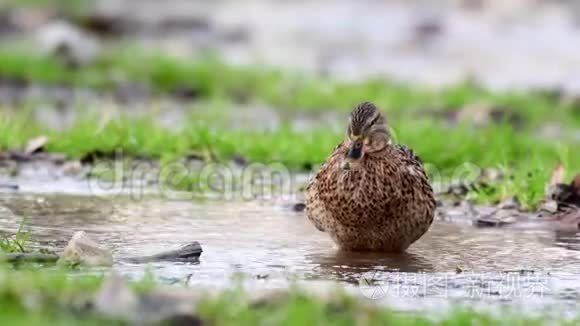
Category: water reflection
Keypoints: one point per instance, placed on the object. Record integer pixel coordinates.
(271, 243)
(567, 239)
(350, 266)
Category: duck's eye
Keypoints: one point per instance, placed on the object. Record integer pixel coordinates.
(358, 145)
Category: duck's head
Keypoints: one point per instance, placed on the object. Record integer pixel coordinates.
(367, 133)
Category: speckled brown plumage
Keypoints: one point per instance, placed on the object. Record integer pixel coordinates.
(383, 202)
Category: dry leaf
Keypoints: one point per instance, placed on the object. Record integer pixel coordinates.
(556, 178)
(35, 145)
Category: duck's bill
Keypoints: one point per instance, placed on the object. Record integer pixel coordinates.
(354, 153)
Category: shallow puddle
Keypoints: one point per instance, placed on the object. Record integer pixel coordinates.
(268, 245)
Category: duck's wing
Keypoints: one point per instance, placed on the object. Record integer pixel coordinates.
(329, 160)
(414, 167)
(411, 160)
(408, 153)
(316, 208)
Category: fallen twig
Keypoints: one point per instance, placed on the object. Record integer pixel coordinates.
(28, 258)
(9, 186)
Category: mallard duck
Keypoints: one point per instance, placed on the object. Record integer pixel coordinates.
(371, 194)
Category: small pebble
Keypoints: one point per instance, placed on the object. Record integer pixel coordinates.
(299, 207)
(9, 186)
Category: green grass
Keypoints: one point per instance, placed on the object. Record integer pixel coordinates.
(300, 309)
(17, 242)
(45, 297)
(527, 159)
(51, 297)
(210, 78)
(69, 8)
(447, 150)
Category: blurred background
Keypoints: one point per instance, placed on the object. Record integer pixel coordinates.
(292, 68)
(500, 43)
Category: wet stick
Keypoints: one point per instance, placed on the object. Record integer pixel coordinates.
(28, 258)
